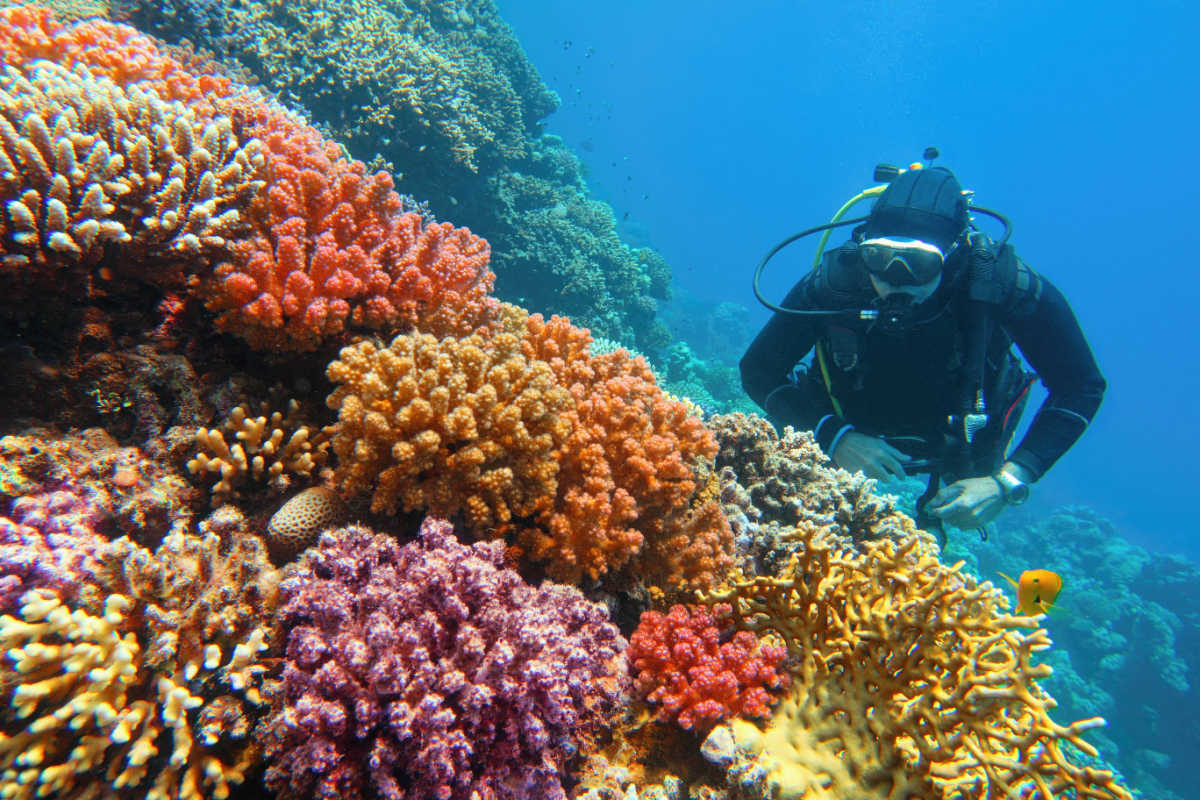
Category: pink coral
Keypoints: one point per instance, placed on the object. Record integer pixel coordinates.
(694, 677)
(50, 543)
(427, 670)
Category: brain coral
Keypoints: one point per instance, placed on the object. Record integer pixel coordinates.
(456, 425)
(428, 670)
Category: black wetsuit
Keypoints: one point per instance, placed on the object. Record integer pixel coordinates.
(908, 382)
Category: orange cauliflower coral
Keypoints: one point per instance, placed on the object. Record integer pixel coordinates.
(449, 425)
(628, 464)
(909, 681)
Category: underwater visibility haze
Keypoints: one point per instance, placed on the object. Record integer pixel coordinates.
(372, 423)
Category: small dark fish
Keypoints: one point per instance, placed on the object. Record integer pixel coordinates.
(586, 144)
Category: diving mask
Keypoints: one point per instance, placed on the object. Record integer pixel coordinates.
(902, 260)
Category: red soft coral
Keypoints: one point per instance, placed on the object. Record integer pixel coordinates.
(694, 678)
(332, 250)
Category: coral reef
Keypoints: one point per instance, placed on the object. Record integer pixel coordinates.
(161, 657)
(178, 241)
(443, 91)
(430, 666)
(271, 451)
(1126, 634)
(456, 425)
(908, 678)
(683, 665)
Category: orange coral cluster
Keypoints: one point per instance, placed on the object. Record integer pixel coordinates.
(329, 248)
(332, 249)
(583, 457)
(448, 426)
(628, 468)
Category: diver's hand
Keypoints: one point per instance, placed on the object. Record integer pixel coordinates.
(873, 456)
(969, 503)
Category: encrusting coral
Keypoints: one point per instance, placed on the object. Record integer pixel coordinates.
(429, 670)
(265, 450)
(450, 425)
(908, 681)
(151, 689)
(112, 490)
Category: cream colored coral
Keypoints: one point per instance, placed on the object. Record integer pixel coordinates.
(76, 672)
(85, 162)
(265, 449)
(450, 425)
(155, 696)
(909, 680)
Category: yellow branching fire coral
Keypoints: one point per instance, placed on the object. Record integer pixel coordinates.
(273, 448)
(909, 682)
(152, 692)
(450, 425)
(85, 163)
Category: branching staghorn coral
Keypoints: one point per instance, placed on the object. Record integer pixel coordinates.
(155, 693)
(909, 681)
(273, 450)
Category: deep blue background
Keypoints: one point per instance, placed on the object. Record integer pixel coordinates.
(723, 127)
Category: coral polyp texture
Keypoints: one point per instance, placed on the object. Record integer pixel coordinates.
(300, 522)
(909, 680)
(450, 425)
(429, 670)
(85, 163)
(333, 250)
(692, 675)
(150, 688)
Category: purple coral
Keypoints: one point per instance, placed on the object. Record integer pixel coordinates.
(50, 542)
(428, 670)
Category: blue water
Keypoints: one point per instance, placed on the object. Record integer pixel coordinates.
(721, 128)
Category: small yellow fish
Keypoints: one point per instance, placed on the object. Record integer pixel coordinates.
(1036, 591)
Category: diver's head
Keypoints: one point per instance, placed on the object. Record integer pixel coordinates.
(915, 226)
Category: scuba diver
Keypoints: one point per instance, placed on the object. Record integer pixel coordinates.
(910, 325)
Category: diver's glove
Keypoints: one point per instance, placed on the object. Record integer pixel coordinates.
(969, 503)
(871, 455)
